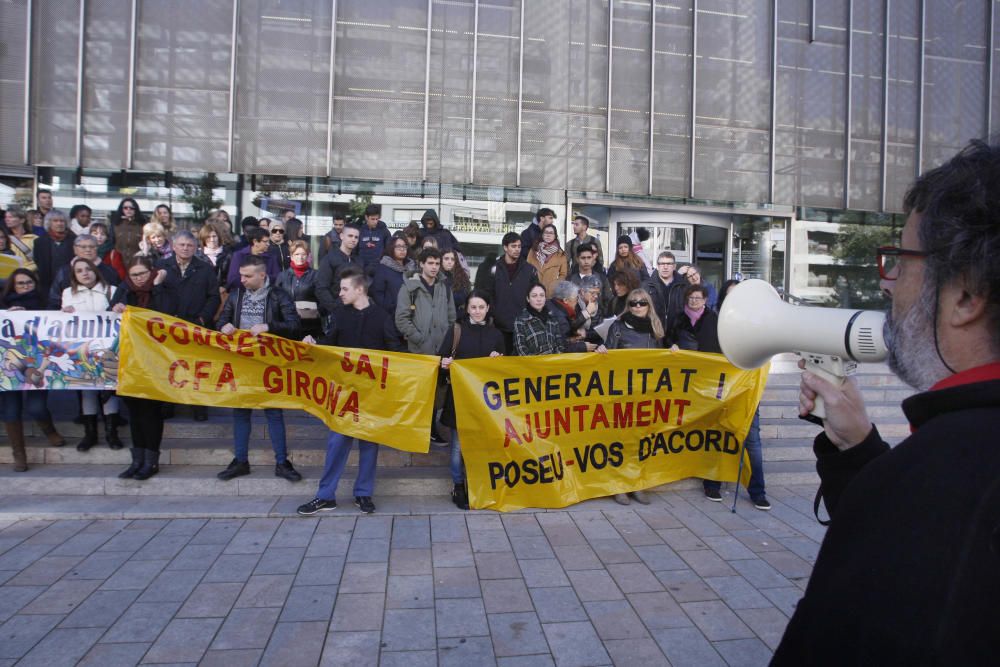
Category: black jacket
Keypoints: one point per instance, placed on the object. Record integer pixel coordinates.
(221, 266)
(370, 329)
(279, 313)
(50, 257)
(445, 239)
(197, 291)
(164, 298)
(668, 299)
(568, 325)
(385, 287)
(280, 251)
(509, 296)
(301, 289)
(32, 300)
(328, 278)
(476, 340)
(702, 337)
(107, 272)
(909, 570)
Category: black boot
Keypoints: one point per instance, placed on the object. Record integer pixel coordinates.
(150, 464)
(89, 433)
(460, 496)
(137, 461)
(111, 432)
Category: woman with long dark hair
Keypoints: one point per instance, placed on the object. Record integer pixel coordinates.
(21, 293)
(627, 260)
(144, 287)
(622, 285)
(471, 337)
(127, 222)
(457, 277)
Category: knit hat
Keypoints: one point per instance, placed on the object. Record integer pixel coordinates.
(624, 239)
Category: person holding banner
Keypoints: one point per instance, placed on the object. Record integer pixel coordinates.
(258, 307)
(89, 292)
(537, 330)
(359, 324)
(145, 287)
(21, 293)
(471, 337)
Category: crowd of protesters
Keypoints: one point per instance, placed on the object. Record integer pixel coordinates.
(406, 291)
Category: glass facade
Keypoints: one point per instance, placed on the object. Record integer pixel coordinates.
(751, 111)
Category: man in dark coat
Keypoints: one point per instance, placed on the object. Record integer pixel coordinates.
(374, 237)
(54, 250)
(533, 232)
(909, 570)
(508, 284)
(432, 229)
(332, 265)
(666, 287)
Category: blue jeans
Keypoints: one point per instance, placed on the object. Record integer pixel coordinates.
(457, 465)
(754, 448)
(275, 428)
(338, 448)
(33, 402)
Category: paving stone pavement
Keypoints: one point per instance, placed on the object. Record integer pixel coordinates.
(682, 581)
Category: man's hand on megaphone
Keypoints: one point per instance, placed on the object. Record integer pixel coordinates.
(847, 423)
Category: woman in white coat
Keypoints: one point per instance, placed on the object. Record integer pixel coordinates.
(89, 293)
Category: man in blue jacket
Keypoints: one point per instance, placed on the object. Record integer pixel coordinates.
(374, 236)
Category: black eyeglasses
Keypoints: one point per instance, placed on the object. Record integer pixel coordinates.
(277, 231)
(23, 283)
(637, 304)
(888, 260)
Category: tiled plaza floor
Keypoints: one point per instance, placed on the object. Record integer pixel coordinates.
(682, 581)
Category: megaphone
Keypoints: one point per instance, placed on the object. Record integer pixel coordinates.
(755, 324)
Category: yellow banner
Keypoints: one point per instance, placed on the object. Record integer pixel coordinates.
(368, 394)
(554, 430)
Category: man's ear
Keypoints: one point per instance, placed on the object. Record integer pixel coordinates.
(963, 306)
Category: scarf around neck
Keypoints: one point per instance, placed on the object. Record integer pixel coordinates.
(694, 315)
(641, 324)
(300, 269)
(546, 250)
(143, 294)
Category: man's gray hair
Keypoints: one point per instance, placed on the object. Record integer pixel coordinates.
(53, 214)
(565, 291)
(186, 235)
(85, 238)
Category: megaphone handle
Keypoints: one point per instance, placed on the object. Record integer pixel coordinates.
(815, 367)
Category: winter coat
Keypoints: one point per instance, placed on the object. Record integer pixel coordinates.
(280, 251)
(529, 236)
(702, 337)
(568, 326)
(221, 265)
(445, 239)
(907, 573)
(300, 289)
(371, 329)
(163, 298)
(279, 312)
(476, 340)
(328, 278)
(128, 236)
(575, 243)
(33, 300)
(94, 299)
(509, 295)
(422, 317)
(62, 282)
(371, 245)
(386, 283)
(271, 265)
(623, 335)
(197, 291)
(51, 256)
(668, 299)
(536, 333)
(556, 268)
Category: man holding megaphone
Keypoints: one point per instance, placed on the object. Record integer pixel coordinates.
(909, 570)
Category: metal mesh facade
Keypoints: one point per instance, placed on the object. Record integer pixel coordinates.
(553, 94)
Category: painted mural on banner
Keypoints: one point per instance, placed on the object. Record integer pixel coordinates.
(383, 397)
(565, 428)
(47, 349)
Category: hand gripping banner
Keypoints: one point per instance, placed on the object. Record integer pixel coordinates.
(383, 397)
(551, 431)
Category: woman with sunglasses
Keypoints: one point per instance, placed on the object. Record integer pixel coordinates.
(127, 222)
(639, 328)
(279, 244)
(21, 293)
(144, 287)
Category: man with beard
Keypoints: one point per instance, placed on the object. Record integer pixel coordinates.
(909, 570)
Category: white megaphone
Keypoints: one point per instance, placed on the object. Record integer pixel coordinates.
(755, 324)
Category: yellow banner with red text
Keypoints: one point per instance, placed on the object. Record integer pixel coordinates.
(368, 394)
(563, 428)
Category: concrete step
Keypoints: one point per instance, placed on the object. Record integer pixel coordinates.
(102, 480)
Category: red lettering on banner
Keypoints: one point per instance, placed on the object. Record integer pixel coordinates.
(202, 336)
(346, 362)
(285, 348)
(599, 417)
(202, 370)
(224, 341)
(156, 323)
(351, 405)
(642, 413)
(179, 332)
(681, 404)
(510, 433)
(385, 371)
(226, 377)
(244, 344)
(272, 380)
(302, 351)
(365, 366)
(171, 374)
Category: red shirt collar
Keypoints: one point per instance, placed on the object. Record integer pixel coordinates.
(970, 376)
